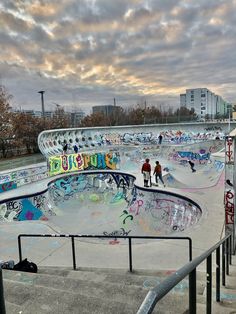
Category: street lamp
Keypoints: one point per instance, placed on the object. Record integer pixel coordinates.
(230, 109)
(42, 101)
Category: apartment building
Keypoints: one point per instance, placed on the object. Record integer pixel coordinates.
(204, 102)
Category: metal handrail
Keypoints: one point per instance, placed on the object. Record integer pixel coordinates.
(158, 292)
(2, 302)
(73, 236)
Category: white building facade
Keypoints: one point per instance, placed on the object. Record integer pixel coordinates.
(205, 103)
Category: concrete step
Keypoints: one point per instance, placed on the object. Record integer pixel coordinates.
(41, 300)
(23, 289)
(87, 290)
(111, 290)
(141, 278)
(102, 282)
(12, 308)
(217, 308)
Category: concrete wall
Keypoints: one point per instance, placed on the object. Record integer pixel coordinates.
(51, 142)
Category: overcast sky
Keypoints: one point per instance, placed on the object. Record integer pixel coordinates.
(86, 52)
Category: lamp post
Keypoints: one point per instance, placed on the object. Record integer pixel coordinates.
(42, 101)
(230, 109)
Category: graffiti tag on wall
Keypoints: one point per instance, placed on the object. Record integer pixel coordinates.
(229, 207)
(229, 194)
(7, 186)
(194, 156)
(76, 162)
(17, 178)
(229, 150)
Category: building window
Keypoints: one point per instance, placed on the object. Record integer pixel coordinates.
(203, 95)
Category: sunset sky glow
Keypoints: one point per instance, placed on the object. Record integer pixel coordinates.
(86, 52)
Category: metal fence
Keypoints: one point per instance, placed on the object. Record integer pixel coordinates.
(73, 236)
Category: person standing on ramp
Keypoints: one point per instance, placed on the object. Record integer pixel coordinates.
(146, 171)
(158, 173)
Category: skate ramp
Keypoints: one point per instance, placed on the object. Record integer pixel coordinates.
(114, 202)
(207, 174)
(102, 204)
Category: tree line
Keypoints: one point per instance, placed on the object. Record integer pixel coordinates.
(19, 131)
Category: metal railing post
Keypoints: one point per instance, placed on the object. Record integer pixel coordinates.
(2, 301)
(227, 256)
(209, 283)
(73, 252)
(223, 263)
(230, 249)
(218, 274)
(19, 248)
(130, 256)
(190, 250)
(192, 292)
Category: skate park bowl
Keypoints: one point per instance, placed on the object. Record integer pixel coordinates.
(105, 203)
(109, 198)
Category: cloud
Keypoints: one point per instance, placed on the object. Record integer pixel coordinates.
(89, 51)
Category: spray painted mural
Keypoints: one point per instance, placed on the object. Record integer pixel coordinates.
(11, 185)
(51, 142)
(16, 178)
(105, 203)
(229, 200)
(110, 204)
(76, 162)
(31, 208)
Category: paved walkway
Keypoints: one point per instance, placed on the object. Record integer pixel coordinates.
(16, 162)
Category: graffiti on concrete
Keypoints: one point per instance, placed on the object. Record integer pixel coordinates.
(8, 186)
(229, 193)
(16, 178)
(51, 142)
(193, 156)
(229, 150)
(76, 162)
(128, 209)
(229, 207)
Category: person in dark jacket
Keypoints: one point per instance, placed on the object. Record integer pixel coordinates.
(146, 171)
(65, 148)
(160, 139)
(75, 148)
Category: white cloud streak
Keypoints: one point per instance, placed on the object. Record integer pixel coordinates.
(85, 53)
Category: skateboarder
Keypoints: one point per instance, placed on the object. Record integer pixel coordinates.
(146, 171)
(160, 139)
(158, 173)
(192, 165)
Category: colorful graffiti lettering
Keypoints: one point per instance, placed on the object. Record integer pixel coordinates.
(75, 162)
(7, 186)
(229, 149)
(229, 207)
(194, 156)
(127, 216)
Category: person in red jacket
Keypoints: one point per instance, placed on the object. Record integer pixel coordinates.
(158, 173)
(146, 171)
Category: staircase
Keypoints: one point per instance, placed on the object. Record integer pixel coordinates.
(228, 294)
(57, 290)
